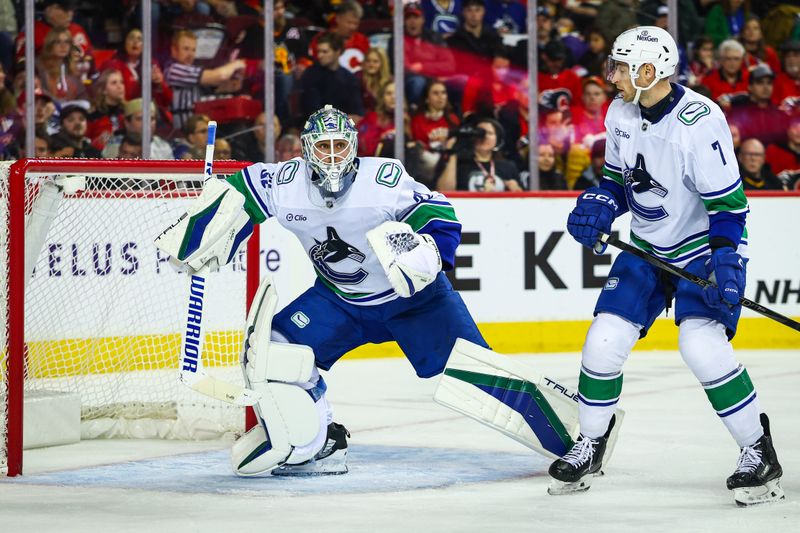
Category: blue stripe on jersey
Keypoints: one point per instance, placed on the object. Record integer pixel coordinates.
(613, 167)
(726, 377)
(618, 192)
(249, 182)
(447, 236)
(369, 298)
(678, 245)
(722, 192)
(604, 403)
(403, 214)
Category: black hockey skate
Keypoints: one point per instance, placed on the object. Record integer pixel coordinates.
(757, 478)
(574, 472)
(330, 460)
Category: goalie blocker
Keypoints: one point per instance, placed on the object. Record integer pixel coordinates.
(493, 389)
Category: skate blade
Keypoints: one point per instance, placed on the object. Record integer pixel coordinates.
(558, 488)
(333, 465)
(770, 492)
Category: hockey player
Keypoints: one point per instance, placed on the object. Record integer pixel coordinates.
(670, 162)
(379, 242)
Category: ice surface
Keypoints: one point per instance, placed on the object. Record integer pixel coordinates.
(417, 467)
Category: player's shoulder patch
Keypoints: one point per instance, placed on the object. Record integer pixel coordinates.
(693, 111)
(382, 170)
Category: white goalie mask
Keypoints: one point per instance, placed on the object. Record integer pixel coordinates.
(642, 45)
(330, 144)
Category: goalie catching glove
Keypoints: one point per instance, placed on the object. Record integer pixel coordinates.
(211, 231)
(411, 260)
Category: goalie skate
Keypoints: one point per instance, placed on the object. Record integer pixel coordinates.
(331, 459)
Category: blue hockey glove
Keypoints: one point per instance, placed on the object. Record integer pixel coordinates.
(726, 269)
(593, 214)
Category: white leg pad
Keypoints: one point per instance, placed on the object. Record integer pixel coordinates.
(290, 416)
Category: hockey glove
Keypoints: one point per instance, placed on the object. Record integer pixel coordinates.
(726, 268)
(593, 214)
(411, 260)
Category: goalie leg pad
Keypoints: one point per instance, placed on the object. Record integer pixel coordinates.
(507, 396)
(211, 231)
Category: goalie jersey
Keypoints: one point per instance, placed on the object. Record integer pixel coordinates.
(680, 177)
(334, 237)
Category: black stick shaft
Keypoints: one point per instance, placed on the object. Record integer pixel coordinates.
(688, 276)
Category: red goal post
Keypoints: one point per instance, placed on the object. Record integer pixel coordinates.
(130, 199)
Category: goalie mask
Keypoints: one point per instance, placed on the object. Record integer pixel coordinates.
(330, 143)
(642, 45)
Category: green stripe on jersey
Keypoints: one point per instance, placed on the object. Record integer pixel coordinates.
(616, 176)
(424, 213)
(593, 388)
(735, 201)
(677, 252)
(728, 394)
(251, 207)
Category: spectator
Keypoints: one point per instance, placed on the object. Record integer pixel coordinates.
(288, 147)
(41, 144)
(614, 17)
(60, 146)
(689, 23)
(736, 137)
(441, 16)
(8, 103)
(477, 166)
(758, 117)
(703, 62)
(345, 26)
(507, 17)
(251, 146)
(187, 80)
(559, 87)
(425, 54)
(128, 60)
(555, 130)
(378, 124)
(756, 174)
(550, 179)
(593, 60)
(52, 67)
(195, 131)
(784, 158)
(728, 84)
(134, 123)
(593, 173)
(574, 43)
(589, 115)
(8, 31)
(57, 14)
(130, 147)
(725, 20)
(44, 115)
(74, 121)
(106, 113)
(222, 150)
(472, 37)
(375, 73)
(757, 50)
(787, 83)
(326, 82)
(431, 127)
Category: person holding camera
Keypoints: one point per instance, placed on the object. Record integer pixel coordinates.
(476, 163)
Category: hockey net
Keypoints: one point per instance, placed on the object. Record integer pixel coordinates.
(103, 310)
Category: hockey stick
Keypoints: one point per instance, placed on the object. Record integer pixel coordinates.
(688, 276)
(191, 370)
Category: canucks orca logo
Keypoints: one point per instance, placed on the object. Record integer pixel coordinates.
(334, 250)
(638, 180)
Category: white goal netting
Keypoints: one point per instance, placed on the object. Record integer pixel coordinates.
(104, 310)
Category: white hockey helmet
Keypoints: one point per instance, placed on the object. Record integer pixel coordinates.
(639, 46)
(333, 168)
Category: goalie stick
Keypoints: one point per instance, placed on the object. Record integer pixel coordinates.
(688, 276)
(192, 373)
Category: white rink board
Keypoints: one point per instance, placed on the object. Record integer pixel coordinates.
(561, 283)
(568, 290)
